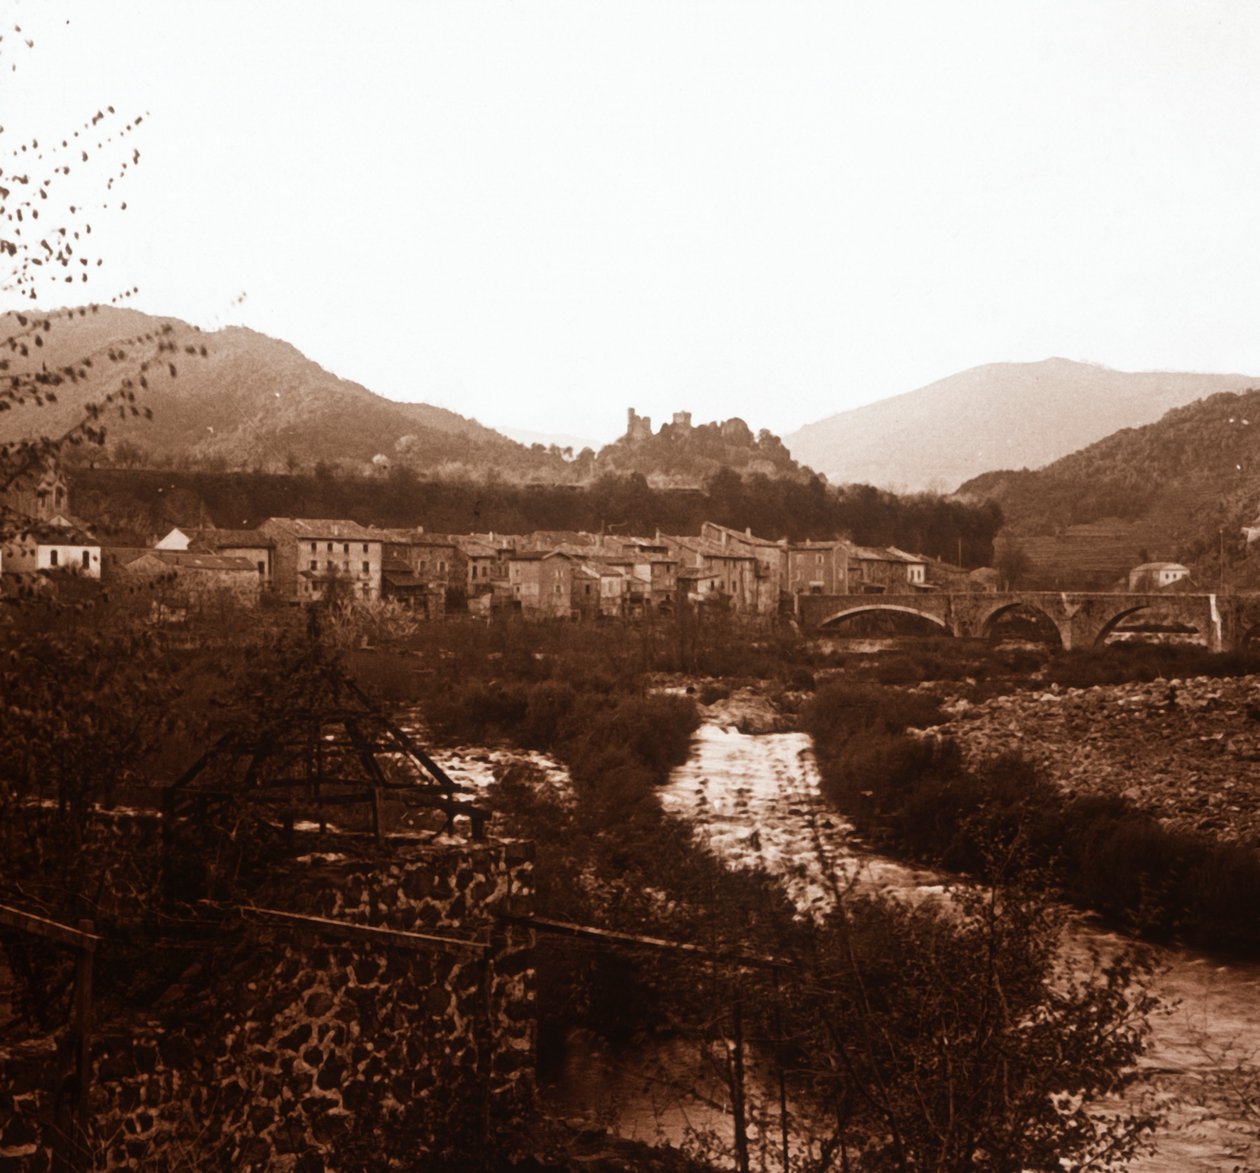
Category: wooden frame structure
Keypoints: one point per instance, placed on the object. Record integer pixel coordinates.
(327, 745)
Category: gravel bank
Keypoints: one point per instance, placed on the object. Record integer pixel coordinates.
(1187, 751)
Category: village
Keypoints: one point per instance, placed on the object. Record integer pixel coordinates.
(540, 575)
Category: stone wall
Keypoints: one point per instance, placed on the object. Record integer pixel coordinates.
(292, 1044)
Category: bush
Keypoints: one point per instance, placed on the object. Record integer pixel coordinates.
(711, 692)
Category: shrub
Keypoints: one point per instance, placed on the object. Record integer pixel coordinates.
(711, 692)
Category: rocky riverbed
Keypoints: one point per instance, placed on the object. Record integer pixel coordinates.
(1187, 751)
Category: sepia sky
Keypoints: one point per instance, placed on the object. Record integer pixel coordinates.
(539, 212)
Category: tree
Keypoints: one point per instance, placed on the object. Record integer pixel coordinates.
(1012, 562)
(45, 245)
(964, 1038)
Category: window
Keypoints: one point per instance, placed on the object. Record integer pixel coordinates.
(52, 557)
(87, 559)
(314, 564)
(441, 567)
(262, 568)
(312, 547)
(556, 588)
(365, 547)
(330, 547)
(366, 568)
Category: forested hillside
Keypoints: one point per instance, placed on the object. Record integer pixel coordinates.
(248, 401)
(1182, 487)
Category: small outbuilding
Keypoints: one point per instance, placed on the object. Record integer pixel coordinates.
(1155, 576)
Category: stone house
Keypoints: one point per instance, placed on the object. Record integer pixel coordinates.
(710, 570)
(884, 569)
(39, 492)
(484, 566)
(313, 553)
(816, 568)
(400, 583)
(541, 583)
(585, 590)
(770, 570)
(189, 578)
(54, 545)
(653, 562)
(250, 544)
(435, 559)
(623, 594)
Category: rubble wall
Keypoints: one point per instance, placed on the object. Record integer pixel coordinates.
(292, 1046)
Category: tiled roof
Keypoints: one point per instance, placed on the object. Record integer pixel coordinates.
(189, 560)
(218, 538)
(322, 528)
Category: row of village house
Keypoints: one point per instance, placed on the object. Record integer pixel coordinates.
(542, 574)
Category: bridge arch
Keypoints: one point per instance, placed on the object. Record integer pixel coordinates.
(1182, 625)
(1006, 610)
(833, 621)
(1110, 625)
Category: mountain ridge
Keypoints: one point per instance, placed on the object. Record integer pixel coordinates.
(251, 400)
(997, 415)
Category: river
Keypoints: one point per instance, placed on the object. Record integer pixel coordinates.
(754, 798)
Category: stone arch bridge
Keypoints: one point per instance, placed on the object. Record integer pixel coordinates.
(1081, 618)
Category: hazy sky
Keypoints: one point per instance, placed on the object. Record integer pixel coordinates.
(539, 212)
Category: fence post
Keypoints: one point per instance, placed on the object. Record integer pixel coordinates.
(83, 1045)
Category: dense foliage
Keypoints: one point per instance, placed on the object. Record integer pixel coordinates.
(1204, 452)
(148, 501)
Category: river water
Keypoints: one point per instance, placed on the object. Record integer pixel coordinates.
(754, 799)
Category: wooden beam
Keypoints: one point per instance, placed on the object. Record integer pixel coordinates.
(50, 929)
(341, 928)
(83, 1035)
(635, 940)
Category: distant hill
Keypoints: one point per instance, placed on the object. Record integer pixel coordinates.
(250, 401)
(546, 439)
(1004, 415)
(1178, 488)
